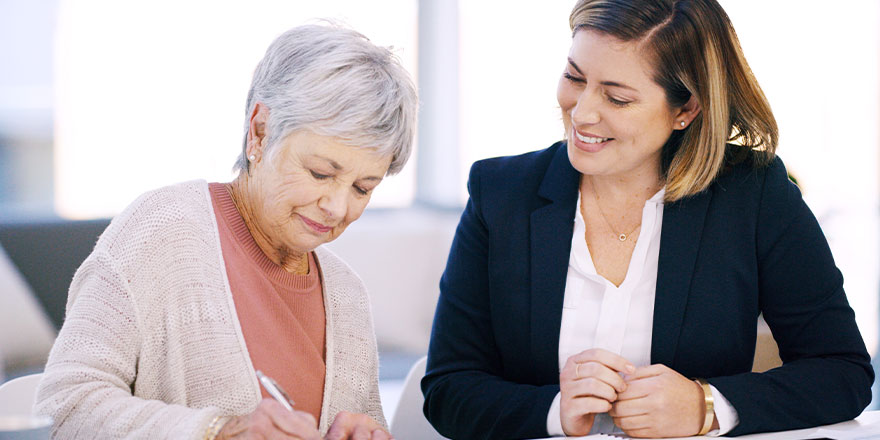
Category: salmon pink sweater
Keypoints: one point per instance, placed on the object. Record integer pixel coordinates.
(281, 314)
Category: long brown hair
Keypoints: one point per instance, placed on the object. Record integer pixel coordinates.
(695, 52)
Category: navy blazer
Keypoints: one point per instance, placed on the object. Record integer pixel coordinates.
(746, 245)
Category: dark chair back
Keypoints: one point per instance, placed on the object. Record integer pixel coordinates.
(47, 253)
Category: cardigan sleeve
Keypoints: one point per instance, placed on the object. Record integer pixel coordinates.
(87, 385)
(826, 374)
(465, 395)
(374, 402)
(352, 356)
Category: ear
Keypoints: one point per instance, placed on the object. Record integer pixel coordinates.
(256, 137)
(686, 114)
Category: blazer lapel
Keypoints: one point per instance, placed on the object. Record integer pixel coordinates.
(551, 227)
(679, 243)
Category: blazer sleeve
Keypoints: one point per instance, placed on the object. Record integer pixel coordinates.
(826, 374)
(466, 395)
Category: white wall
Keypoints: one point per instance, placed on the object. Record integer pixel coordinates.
(400, 255)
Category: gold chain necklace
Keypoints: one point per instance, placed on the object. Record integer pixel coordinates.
(620, 235)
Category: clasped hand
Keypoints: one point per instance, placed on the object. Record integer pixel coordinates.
(272, 421)
(652, 401)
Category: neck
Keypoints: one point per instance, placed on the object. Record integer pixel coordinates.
(241, 189)
(633, 187)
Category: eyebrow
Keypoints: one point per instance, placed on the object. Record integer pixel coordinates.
(332, 162)
(338, 167)
(604, 83)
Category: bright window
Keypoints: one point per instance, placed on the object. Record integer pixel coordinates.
(512, 54)
(153, 92)
(820, 69)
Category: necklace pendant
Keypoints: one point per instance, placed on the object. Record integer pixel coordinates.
(622, 237)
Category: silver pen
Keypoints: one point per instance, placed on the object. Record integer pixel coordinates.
(275, 390)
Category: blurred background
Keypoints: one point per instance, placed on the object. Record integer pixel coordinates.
(101, 100)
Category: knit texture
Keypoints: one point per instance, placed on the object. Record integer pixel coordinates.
(151, 346)
(281, 313)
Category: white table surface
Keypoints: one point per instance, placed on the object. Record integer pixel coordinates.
(865, 426)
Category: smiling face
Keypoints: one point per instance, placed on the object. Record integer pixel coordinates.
(616, 117)
(308, 190)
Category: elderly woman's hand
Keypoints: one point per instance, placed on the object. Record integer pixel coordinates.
(356, 427)
(589, 383)
(271, 420)
(659, 402)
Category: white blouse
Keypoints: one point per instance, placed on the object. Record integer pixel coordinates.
(598, 314)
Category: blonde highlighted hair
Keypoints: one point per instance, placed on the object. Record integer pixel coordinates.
(696, 53)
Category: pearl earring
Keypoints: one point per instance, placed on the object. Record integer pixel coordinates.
(252, 157)
(682, 124)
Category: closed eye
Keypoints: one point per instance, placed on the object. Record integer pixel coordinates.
(573, 78)
(319, 176)
(618, 102)
(360, 190)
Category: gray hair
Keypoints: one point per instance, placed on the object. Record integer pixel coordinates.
(334, 82)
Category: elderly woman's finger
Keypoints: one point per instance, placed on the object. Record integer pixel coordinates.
(296, 423)
(361, 432)
(381, 434)
(349, 425)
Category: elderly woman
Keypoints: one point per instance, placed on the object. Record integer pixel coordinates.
(196, 286)
(613, 281)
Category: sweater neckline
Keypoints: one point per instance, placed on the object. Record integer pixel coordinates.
(242, 236)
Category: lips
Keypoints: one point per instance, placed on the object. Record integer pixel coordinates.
(589, 142)
(315, 226)
(589, 139)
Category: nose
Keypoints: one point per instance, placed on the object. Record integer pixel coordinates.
(334, 203)
(586, 109)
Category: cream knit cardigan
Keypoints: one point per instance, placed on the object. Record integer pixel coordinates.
(151, 345)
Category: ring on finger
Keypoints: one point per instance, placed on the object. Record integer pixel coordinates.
(577, 374)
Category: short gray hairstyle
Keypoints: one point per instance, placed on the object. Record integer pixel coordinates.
(333, 81)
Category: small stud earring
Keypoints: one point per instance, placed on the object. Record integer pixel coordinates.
(682, 124)
(252, 157)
